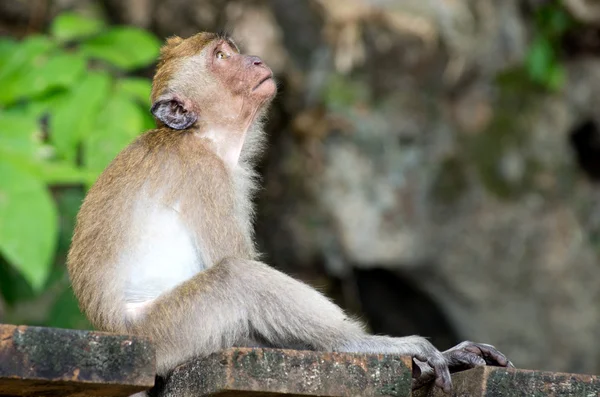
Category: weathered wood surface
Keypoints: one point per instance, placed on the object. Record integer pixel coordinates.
(51, 362)
(500, 382)
(37, 361)
(271, 372)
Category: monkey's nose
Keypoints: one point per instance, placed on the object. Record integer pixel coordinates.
(254, 60)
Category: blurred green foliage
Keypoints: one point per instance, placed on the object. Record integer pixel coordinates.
(68, 104)
(543, 64)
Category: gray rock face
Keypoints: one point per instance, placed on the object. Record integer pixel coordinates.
(471, 187)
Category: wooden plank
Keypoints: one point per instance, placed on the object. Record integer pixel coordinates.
(272, 372)
(58, 362)
(501, 382)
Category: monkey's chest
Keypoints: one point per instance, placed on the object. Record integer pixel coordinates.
(164, 252)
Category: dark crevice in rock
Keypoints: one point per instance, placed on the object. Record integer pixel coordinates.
(394, 305)
(585, 141)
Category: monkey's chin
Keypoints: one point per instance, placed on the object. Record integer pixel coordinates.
(266, 89)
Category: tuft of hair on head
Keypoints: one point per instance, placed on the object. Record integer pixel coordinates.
(173, 41)
(223, 35)
(165, 51)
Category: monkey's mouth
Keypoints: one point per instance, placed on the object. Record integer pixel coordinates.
(267, 78)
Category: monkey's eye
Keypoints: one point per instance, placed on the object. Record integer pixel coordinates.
(221, 55)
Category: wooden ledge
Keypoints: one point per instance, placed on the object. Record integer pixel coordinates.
(271, 372)
(58, 362)
(501, 382)
(51, 362)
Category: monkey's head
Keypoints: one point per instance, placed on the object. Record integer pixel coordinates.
(205, 79)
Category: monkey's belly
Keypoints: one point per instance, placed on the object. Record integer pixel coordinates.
(163, 254)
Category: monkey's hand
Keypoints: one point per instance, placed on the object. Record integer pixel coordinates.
(465, 355)
(429, 364)
(425, 372)
(468, 355)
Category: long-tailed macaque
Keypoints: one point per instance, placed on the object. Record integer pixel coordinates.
(164, 244)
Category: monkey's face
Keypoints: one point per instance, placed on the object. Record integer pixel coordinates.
(244, 76)
(205, 79)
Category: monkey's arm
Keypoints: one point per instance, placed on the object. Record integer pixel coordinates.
(238, 300)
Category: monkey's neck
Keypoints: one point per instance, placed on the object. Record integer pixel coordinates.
(225, 141)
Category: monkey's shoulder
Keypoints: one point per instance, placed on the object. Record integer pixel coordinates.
(182, 144)
(161, 155)
(158, 138)
(148, 149)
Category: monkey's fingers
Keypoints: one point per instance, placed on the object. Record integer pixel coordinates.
(460, 360)
(442, 375)
(491, 355)
(430, 369)
(416, 368)
(426, 375)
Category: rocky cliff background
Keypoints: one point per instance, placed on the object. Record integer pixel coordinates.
(433, 165)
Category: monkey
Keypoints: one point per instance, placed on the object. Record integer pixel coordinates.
(163, 245)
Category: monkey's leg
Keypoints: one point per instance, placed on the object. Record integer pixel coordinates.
(288, 311)
(238, 299)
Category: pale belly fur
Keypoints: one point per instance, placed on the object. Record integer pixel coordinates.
(163, 255)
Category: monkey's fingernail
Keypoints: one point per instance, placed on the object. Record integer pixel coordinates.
(478, 361)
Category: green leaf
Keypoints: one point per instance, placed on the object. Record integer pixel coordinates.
(119, 123)
(76, 115)
(42, 105)
(68, 201)
(553, 20)
(49, 172)
(71, 26)
(44, 73)
(559, 22)
(54, 173)
(7, 47)
(13, 286)
(28, 224)
(125, 47)
(540, 59)
(149, 122)
(556, 77)
(137, 89)
(60, 71)
(65, 313)
(27, 55)
(19, 135)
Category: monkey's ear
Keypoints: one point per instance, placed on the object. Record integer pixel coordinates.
(174, 113)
